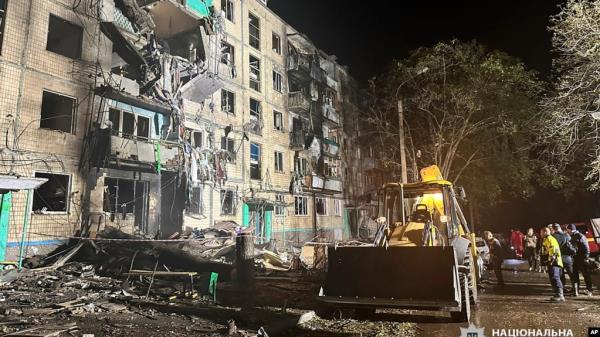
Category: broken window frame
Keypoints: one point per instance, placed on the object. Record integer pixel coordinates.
(3, 7)
(278, 161)
(277, 81)
(300, 206)
(37, 196)
(278, 120)
(254, 65)
(229, 145)
(228, 102)
(227, 54)
(77, 52)
(197, 137)
(337, 207)
(276, 43)
(301, 166)
(255, 161)
(73, 112)
(253, 31)
(255, 110)
(118, 132)
(321, 206)
(228, 9)
(280, 199)
(116, 206)
(225, 195)
(196, 204)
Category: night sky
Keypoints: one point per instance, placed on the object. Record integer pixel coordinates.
(367, 35)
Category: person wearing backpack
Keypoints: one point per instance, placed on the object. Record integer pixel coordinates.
(580, 264)
(567, 251)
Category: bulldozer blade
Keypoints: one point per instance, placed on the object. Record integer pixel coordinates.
(425, 277)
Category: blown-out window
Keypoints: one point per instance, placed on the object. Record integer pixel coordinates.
(3, 5)
(64, 38)
(58, 112)
(53, 195)
(254, 31)
(300, 206)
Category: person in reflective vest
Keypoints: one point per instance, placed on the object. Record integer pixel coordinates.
(551, 249)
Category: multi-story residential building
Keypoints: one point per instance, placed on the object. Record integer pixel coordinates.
(159, 116)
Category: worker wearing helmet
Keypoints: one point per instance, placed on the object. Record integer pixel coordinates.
(551, 248)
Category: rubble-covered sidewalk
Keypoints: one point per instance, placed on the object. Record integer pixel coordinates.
(122, 285)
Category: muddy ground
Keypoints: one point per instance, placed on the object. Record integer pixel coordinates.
(281, 300)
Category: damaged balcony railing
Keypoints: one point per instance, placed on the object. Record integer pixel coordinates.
(298, 102)
(330, 114)
(333, 184)
(297, 140)
(331, 148)
(299, 64)
(370, 164)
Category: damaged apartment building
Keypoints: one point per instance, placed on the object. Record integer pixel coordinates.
(161, 116)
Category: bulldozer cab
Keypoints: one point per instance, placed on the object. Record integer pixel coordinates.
(421, 214)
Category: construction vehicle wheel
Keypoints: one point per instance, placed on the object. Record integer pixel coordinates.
(464, 315)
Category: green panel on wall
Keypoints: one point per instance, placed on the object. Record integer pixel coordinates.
(201, 7)
(245, 215)
(268, 225)
(5, 205)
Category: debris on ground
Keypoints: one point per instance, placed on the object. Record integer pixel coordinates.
(366, 328)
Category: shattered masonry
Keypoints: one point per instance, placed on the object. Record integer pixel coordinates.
(158, 117)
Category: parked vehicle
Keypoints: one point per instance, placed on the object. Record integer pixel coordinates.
(483, 249)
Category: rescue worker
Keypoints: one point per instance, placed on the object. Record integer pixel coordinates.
(551, 249)
(496, 256)
(566, 252)
(530, 245)
(580, 264)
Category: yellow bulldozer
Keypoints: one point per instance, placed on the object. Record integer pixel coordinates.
(423, 255)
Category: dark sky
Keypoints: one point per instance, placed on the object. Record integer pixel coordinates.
(367, 35)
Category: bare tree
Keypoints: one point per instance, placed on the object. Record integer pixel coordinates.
(568, 126)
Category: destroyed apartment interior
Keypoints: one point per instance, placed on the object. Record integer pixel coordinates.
(168, 157)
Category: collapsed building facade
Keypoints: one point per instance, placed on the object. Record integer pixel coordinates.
(160, 116)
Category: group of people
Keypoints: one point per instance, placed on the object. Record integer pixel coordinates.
(558, 252)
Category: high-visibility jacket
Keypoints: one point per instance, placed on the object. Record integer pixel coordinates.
(552, 249)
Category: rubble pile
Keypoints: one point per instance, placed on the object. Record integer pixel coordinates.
(351, 327)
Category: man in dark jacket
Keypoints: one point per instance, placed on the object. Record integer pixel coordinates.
(496, 256)
(580, 265)
(567, 252)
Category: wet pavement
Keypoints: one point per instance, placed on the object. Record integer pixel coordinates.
(522, 304)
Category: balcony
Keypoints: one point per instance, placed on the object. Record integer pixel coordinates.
(172, 17)
(332, 83)
(330, 114)
(297, 140)
(331, 148)
(298, 66)
(135, 152)
(333, 184)
(370, 164)
(314, 182)
(298, 102)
